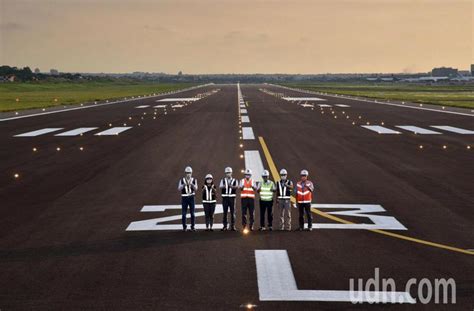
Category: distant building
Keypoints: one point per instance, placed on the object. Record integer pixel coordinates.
(54, 72)
(444, 72)
(8, 78)
(37, 70)
(472, 69)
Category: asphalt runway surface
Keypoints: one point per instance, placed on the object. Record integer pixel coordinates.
(73, 234)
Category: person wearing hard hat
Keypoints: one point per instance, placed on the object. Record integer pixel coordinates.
(187, 186)
(304, 196)
(265, 190)
(247, 196)
(284, 188)
(209, 193)
(228, 186)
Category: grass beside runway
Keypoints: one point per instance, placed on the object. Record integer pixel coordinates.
(444, 95)
(48, 94)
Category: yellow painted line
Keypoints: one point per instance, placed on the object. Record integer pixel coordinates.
(247, 104)
(276, 176)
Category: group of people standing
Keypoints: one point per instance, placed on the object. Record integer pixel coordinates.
(266, 189)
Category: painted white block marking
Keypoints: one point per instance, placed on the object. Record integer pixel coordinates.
(380, 129)
(303, 98)
(324, 105)
(177, 106)
(159, 106)
(160, 222)
(453, 129)
(183, 99)
(307, 105)
(39, 132)
(276, 282)
(417, 130)
(114, 131)
(254, 162)
(247, 133)
(77, 131)
(245, 119)
(142, 106)
(243, 110)
(342, 105)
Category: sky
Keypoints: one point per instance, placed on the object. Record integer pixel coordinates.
(237, 36)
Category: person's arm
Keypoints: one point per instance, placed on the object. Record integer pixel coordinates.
(194, 184)
(290, 184)
(241, 184)
(180, 185)
(258, 186)
(310, 186)
(221, 184)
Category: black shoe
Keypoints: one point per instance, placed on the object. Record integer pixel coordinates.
(207, 229)
(233, 228)
(261, 229)
(224, 229)
(310, 229)
(184, 229)
(192, 229)
(211, 229)
(270, 229)
(251, 228)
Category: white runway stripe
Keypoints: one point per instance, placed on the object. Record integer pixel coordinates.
(380, 129)
(77, 131)
(39, 132)
(247, 133)
(254, 162)
(184, 99)
(303, 98)
(245, 119)
(324, 105)
(342, 105)
(453, 129)
(142, 106)
(159, 106)
(177, 106)
(114, 131)
(243, 110)
(417, 130)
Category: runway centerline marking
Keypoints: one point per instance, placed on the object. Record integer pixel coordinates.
(276, 282)
(453, 129)
(417, 130)
(243, 110)
(253, 161)
(275, 174)
(303, 98)
(159, 106)
(113, 131)
(380, 129)
(324, 105)
(142, 106)
(247, 133)
(177, 99)
(39, 132)
(78, 131)
(245, 119)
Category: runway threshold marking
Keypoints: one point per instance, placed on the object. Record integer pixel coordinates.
(380, 129)
(453, 129)
(142, 106)
(78, 131)
(178, 99)
(275, 175)
(39, 132)
(276, 282)
(417, 130)
(114, 131)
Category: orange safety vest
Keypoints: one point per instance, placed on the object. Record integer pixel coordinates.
(247, 191)
(303, 195)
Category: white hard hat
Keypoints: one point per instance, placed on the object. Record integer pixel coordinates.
(304, 173)
(208, 176)
(228, 170)
(283, 172)
(248, 172)
(188, 169)
(265, 173)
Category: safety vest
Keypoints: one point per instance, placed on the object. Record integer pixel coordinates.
(187, 189)
(266, 193)
(227, 191)
(247, 191)
(303, 194)
(283, 191)
(208, 194)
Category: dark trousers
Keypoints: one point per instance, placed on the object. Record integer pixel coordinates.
(305, 208)
(209, 209)
(266, 206)
(248, 205)
(228, 203)
(185, 203)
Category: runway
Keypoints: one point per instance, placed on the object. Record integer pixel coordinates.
(90, 213)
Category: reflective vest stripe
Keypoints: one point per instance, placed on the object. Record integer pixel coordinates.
(228, 191)
(187, 190)
(247, 191)
(303, 195)
(208, 195)
(266, 193)
(283, 191)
